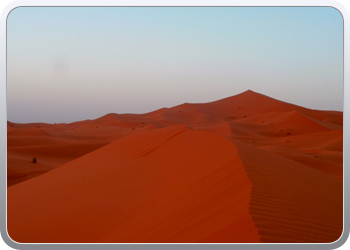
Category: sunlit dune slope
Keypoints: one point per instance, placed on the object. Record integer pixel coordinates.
(167, 185)
(188, 114)
(55, 144)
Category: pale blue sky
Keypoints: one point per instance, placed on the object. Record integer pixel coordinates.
(73, 63)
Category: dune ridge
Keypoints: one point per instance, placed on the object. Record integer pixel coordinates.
(163, 209)
(247, 168)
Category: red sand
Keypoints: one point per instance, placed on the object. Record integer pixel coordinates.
(247, 168)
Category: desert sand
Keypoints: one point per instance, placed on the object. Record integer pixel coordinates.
(247, 168)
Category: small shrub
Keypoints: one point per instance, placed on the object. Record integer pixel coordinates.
(34, 160)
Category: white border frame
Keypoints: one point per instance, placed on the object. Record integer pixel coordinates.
(115, 3)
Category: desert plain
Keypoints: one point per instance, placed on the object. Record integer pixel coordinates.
(244, 169)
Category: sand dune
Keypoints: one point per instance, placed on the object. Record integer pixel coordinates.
(247, 168)
(146, 180)
(291, 202)
(188, 114)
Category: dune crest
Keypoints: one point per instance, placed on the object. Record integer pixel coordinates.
(192, 195)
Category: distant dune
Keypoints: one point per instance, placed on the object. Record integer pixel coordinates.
(247, 168)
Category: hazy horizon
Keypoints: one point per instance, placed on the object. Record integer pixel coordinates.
(66, 64)
(92, 118)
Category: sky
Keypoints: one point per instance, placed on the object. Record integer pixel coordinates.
(66, 64)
